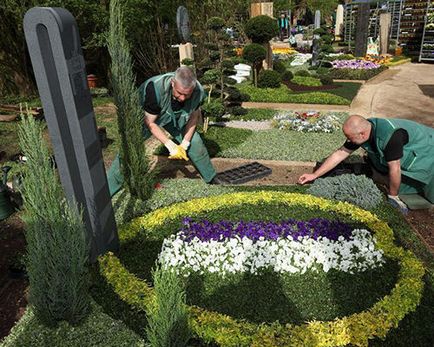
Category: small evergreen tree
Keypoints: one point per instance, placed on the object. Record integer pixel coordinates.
(261, 29)
(135, 164)
(57, 250)
(168, 320)
(255, 54)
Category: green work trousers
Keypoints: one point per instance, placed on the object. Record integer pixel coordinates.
(197, 153)
(410, 186)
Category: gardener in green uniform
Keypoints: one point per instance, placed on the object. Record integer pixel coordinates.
(172, 101)
(401, 148)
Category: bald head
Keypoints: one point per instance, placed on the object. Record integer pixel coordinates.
(357, 129)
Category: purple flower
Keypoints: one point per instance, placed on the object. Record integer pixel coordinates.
(316, 227)
(354, 64)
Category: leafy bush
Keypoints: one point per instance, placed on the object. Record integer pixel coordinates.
(326, 80)
(187, 62)
(306, 81)
(287, 76)
(255, 54)
(326, 39)
(57, 250)
(168, 321)
(238, 111)
(279, 66)
(327, 48)
(319, 31)
(234, 94)
(357, 190)
(322, 71)
(342, 57)
(214, 108)
(303, 73)
(261, 29)
(269, 79)
(356, 74)
(215, 23)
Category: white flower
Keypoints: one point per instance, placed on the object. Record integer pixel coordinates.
(283, 255)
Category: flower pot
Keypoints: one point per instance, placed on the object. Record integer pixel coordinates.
(398, 50)
(92, 81)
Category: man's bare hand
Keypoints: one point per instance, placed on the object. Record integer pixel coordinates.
(306, 178)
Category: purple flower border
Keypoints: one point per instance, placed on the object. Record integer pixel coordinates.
(256, 230)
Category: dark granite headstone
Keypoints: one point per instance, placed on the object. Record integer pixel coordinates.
(362, 29)
(54, 46)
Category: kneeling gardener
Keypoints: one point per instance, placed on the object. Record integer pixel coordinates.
(172, 101)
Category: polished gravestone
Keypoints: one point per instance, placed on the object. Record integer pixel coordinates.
(54, 46)
(362, 25)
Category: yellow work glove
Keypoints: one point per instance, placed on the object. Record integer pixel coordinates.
(176, 151)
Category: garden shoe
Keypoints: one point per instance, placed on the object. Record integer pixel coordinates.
(216, 181)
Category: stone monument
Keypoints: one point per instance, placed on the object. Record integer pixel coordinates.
(362, 24)
(339, 24)
(54, 46)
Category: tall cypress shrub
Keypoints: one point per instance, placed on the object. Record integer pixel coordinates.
(168, 320)
(135, 164)
(57, 249)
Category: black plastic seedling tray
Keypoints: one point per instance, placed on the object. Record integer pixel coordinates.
(244, 173)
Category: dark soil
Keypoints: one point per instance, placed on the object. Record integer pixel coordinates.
(298, 88)
(13, 286)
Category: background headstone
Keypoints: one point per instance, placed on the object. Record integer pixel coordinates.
(261, 8)
(385, 25)
(317, 19)
(362, 23)
(54, 46)
(315, 42)
(339, 21)
(185, 52)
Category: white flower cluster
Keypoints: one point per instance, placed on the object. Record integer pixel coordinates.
(283, 255)
(291, 121)
(301, 58)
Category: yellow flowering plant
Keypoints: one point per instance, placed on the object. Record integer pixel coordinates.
(355, 329)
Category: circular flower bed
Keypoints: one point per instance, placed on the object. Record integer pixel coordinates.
(354, 329)
(306, 122)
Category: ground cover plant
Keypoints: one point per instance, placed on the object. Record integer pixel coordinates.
(220, 328)
(283, 94)
(411, 331)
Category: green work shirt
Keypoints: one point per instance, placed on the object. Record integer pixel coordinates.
(417, 161)
(163, 93)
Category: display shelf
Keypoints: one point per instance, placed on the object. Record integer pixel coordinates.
(412, 25)
(427, 43)
(350, 17)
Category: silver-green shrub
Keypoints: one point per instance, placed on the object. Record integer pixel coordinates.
(57, 249)
(168, 320)
(358, 190)
(135, 162)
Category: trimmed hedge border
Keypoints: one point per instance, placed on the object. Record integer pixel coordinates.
(355, 329)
